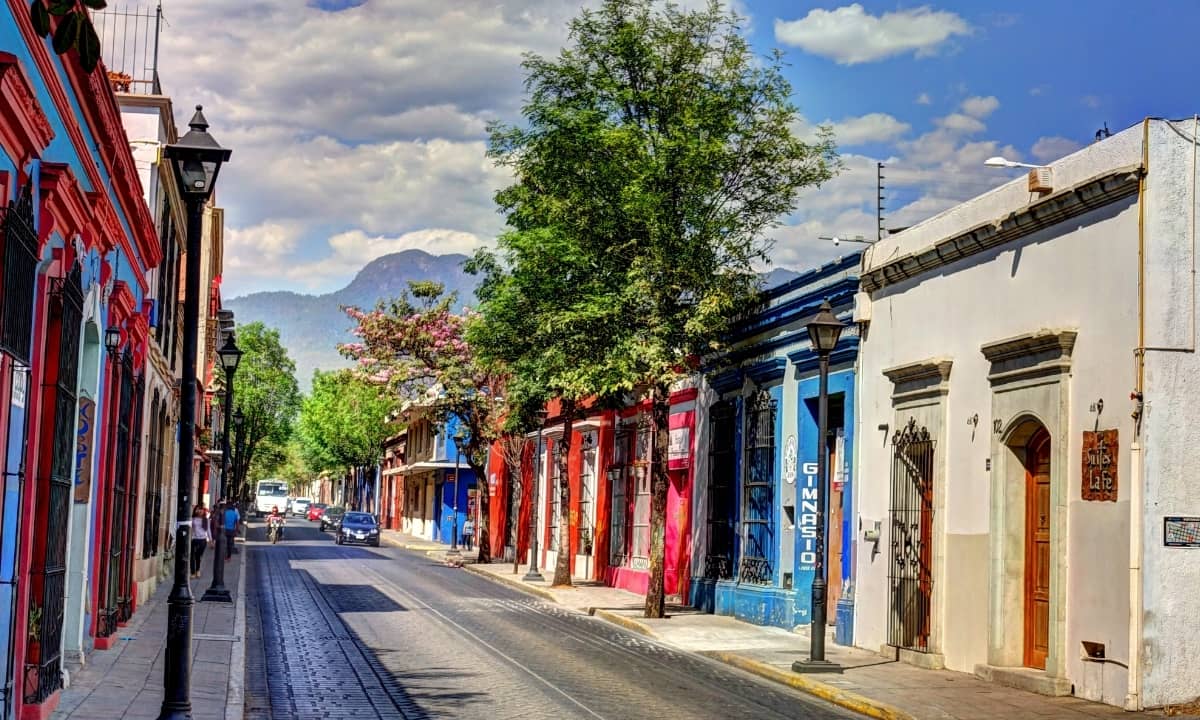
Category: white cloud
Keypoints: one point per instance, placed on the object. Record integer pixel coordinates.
(961, 123)
(850, 35)
(980, 107)
(923, 99)
(353, 249)
(1091, 101)
(1039, 90)
(265, 242)
(856, 130)
(1048, 149)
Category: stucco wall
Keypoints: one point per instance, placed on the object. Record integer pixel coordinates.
(1171, 434)
(1078, 275)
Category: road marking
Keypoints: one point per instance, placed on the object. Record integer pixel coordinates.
(426, 606)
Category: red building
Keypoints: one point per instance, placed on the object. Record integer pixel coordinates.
(608, 471)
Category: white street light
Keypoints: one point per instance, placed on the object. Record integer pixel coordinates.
(1002, 162)
(837, 240)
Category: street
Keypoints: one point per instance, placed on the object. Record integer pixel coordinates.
(361, 632)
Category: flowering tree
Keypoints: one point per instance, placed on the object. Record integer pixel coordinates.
(415, 347)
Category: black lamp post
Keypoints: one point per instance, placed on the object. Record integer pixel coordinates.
(195, 162)
(458, 444)
(823, 331)
(533, 573)
(229, 355)
(239, 421)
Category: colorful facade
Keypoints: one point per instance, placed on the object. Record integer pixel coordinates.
(757, 485)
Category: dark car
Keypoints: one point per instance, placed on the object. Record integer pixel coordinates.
(358, 527)
(331, 517)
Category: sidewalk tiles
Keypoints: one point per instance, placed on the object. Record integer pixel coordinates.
(126, 681)
(871, 684)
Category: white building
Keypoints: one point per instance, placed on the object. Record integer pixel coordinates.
(998, 338)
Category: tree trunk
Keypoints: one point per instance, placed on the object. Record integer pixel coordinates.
(562, 568)
(482, 492)
(661, 413)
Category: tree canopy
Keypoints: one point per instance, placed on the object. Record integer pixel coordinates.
(343, 421)
(655, 156)
(266, 393)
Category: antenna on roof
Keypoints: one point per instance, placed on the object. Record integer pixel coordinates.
(1103, 133)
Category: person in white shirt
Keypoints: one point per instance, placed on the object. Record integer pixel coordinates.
(200, 537)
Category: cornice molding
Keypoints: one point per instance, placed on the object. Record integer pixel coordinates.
(920, 380)
(64, 203)
(24, 130)
(1058, 207)
(1034, 355)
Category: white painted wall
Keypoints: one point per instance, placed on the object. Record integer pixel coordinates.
(1171, 433)
(1079, 275)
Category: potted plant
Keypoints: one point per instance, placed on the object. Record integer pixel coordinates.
(35, 631)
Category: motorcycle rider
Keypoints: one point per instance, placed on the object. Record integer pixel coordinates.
(275, 518)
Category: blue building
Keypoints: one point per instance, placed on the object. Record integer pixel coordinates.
(437, 482)
(756, 487)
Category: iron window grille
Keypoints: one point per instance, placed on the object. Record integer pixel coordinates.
(911, 573)
(642, 480)
(135, 461)
(554, 486)
(758, 516)
(722, 498)
(109, 611)
(619, 485)
(43, 670)
(152, 514)
(587, 490)
(18, 263)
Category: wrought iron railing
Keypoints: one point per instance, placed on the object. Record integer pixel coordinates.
(910, 571)
(18, 259)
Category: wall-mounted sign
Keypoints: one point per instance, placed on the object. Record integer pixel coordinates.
(789, 460)
(1100, 465)
(1181, 532)
(679, 447)
(18, 389)
(85, 438)
(807, 491)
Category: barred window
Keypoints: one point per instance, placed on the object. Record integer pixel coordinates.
(722, 497)
(554, 487)
(758, 518)
(618, 475)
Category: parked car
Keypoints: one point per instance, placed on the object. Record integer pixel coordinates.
(331, 517)
(315, 510)
(300, 506)
(358, 527)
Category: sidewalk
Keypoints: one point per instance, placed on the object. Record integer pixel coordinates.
(871, 684)
(126, 681)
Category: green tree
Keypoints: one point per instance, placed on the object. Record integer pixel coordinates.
(343, 422)
(73, 30)
(266, 393)
(657, 149)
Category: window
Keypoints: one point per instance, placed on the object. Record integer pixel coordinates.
(618, 479)
(758, 526)
(587, 489)
(555, 490)
(642, 477)
(722, 500)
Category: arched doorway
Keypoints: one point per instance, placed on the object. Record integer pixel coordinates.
(1037, 549)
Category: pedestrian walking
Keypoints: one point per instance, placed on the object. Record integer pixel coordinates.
(200, 537)
(468, 533)
(232, 519)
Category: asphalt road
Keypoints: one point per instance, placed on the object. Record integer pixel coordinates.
(357, 632)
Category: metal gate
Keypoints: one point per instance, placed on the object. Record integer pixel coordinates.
(722, 499)
(911, 573)
(758, 492)
(43, 670)
(125, 599)
(118, 500)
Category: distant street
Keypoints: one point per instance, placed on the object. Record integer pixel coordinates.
(357, 632)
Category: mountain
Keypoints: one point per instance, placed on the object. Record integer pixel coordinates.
(311, 326)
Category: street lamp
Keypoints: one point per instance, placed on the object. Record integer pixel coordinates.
(229, 355)
(112, 339)
(1002, 162)
(839, 239)
(533, 573)
(458, 444)
(823, 332)
(195, 162)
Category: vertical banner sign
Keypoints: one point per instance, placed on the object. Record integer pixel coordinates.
(1100, 465)
(807, 491)
(83, 449)
(789, 460)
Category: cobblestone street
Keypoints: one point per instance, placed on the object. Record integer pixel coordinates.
(355, 632)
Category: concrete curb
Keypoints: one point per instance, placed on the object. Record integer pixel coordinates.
(235, 698)
(624, 621)
(409, 546)
(512, 583)
(804, 683)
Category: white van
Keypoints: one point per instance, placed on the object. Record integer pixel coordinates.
(270, 494)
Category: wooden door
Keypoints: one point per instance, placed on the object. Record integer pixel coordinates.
(1037, 550)
(833, 566)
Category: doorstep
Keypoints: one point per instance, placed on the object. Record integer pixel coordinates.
(1027, 679)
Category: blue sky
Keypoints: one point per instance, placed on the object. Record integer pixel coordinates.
(358, 126)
